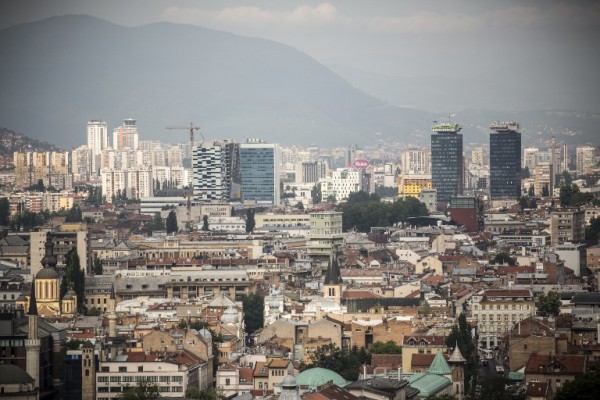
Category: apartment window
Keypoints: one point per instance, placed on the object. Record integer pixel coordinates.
(122, 369)
(227, 381)
(141, 368)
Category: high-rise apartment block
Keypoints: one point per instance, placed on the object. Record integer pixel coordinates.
(309, 172)
(416, 161)
(477, 156)
(97, 140)
(530, 158)
(126, 136)
(31, 167)
(585, 157)
(216, 170)
(259, 172)
(567, 225)
(447, 161)
(505, 160)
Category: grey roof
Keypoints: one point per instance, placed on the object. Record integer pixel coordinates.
(586, 298)
(47, 273)
(333, 276)
(10, 374)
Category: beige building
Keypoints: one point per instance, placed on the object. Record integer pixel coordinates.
(420, 344)
(567, 225)
(496, 311)
(411, 185)
(281, 220)
(543, 178)
(325, 237)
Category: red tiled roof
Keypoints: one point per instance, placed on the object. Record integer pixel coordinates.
(360, 294)
(429, 340)
(555, 365)
(140, 357)
(246, 374)
(537, 389)
(424, 359)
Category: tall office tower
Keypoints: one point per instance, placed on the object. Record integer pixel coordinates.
(216, 170)
(477, 156)
(97, 140)
(584, 158)
(308, 172)
(126, 136)
(505, 160)
(530, 158)
(447, 160)
(416, 161)
(260, 172)
(349, 155)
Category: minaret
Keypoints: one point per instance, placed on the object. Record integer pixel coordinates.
(112, 315)
(457, 363)
(33, 343)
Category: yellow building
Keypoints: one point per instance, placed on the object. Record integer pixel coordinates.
(47, 290)
(412, 184)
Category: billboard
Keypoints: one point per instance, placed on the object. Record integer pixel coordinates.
(361, 163)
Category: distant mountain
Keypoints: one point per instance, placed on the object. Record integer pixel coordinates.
(11, 141)
(58, 73)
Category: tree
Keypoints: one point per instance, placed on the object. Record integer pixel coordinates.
(461, 336)
(157, 223)
(504, 258)
(299, 206)
(254, 314)
(205, 223)
(94, 312)
(389, 347)
(425, 308)
(497, 387)
(583, 387)
(171, 224)
(549, 304)
(74, 278)
(545, 191)
(362, 212)
(74, 215)
(4, 211)
(250, 223)
(142, 391)
(97, 267)
(567, 179)
(592, 232)
(38, 187)
(347, 363)
(206, 394)
(316, 194)
(386, 191)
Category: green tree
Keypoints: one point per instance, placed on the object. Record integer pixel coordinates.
(592, 232)
(74, 278)
(545, 191)
(425, 308)
(157, 223)
(38, 187)
(566, 177)
(549, 304)
(250, 223)
(442, 397)
(461, 335)
(97, 267)
(299, 206)
(497, 387)
(142, 391)
(316, 194)
(503, 258)
(74, 215)
(583, 387)
(4, 211)
(206, 394)
(94, 312)
(171, 224)
(389, 347)
(254, 306)
(345, 362)
(205, 226)
(386, 191)
(362, 212)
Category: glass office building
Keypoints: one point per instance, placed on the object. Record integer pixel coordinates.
(259, 172)
(447, 161)
(505, 161)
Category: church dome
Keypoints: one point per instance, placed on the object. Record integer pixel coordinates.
(230, 316)
(47, 273)
(289, 382)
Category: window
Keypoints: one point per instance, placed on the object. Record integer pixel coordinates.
(228, 381)
(122, 369)
(141, 368)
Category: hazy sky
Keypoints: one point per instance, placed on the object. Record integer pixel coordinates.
(537, 42)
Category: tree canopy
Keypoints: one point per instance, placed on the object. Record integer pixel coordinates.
(504, 258)
(461, 335)
(250, 223)
(592, 231)
(389, 347)
(205, 226)
(254, 306)
(583, 387)
(142, 391)
(346, 363)
(171, 224)
(361, 211)
(74, 277)
(570, 196)
(548, 304)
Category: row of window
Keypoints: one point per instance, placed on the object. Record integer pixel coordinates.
(502, 307)
(139, 378)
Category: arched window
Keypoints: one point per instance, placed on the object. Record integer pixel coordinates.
(87, 372)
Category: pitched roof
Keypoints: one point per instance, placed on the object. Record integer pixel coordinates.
(439, 366)
(555, 365)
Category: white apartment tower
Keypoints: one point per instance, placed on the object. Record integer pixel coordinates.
(97, 140)
(416, 161)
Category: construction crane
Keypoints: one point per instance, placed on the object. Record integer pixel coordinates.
(191, 128)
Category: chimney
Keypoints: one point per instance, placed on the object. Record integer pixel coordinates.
(399, 374)
(364, 371)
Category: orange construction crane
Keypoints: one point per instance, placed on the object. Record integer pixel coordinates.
(191, 128)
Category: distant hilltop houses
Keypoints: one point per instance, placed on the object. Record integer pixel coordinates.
(250, 270)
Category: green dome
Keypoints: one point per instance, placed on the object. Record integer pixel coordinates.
(315, 377)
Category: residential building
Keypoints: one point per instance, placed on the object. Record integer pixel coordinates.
(585, 158)
(416, 161)
(216, 170)
(555, 370)
(413, 184)
(341, 183)
(567, 225)
(126, 136)
(468, 212)
(309, 172)
(496, 311)
(97, 140)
